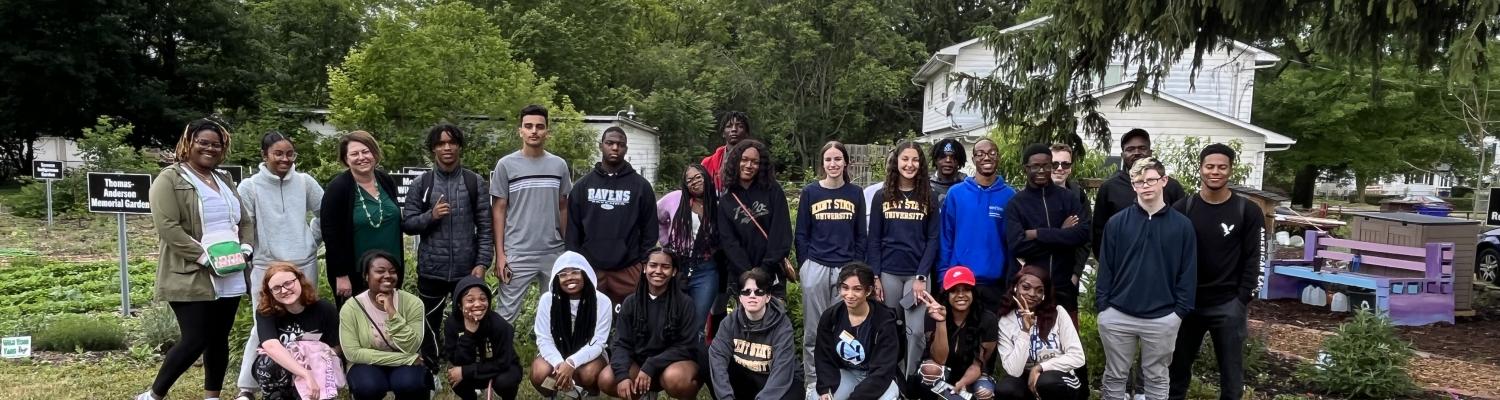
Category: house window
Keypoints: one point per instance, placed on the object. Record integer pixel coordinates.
(1113, 76)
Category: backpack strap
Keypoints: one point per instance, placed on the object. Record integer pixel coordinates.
(471, 182)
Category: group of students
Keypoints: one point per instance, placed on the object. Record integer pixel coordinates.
(917, 286)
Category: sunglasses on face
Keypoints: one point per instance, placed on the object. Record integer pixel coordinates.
(752, 292)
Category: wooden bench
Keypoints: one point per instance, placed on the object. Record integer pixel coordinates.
(1412, 285)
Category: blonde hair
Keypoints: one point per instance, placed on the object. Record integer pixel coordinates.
(1146, 164)
(185, 143)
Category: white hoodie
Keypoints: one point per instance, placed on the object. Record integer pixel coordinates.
(603, 316)
(280, 207)
(1059, 351)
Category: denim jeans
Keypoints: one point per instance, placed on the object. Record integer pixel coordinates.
(702, 284)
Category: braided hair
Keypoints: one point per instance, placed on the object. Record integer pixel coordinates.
(676, 317)
(682, 242)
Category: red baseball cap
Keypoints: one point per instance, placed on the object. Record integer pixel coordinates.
(957, 275)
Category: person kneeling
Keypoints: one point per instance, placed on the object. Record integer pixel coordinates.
(960, 340)
(298, 359)
(381, 331)
(655, 346)
(1039, 347)
(754, 355)
(572, 326)
(479, 345)
(848, 335)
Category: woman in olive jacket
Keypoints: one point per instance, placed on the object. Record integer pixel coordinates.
(191, 199)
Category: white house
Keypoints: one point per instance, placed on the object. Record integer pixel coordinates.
(1216, 107)
(643, 149)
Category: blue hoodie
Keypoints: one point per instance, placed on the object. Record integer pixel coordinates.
(971, 240)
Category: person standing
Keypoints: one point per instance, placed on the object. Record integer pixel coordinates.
(733, 126)
(830, 233)
(197, 213)
(1045, 225)
(903, 244)
(612, 218)
(1230, 234)
(1148, 275)
(688, 230)
(1116, 194)
(948, 158)
(530, 210)
(448, 208)
(755, 228)
(359, 214)
(279, 199)
(973, 226)
(1062, 161)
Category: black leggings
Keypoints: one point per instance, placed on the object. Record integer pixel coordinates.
(205, 331)
(1052, 385)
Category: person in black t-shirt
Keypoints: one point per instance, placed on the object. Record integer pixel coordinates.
(960, 339)
(289, 312)
(1230, 233)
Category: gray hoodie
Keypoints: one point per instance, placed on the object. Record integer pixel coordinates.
(285, 210)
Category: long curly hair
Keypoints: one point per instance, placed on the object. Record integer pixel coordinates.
(922, 187)
(765, 177)
(268, 304)
(1046, 312)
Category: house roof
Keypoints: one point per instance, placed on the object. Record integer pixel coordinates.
(1274, 141)
(947, 55)
(614, 119)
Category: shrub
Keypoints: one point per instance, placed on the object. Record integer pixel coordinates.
(1088, 327)
(158, 328)
(1365, 359)
(75, 332)
(1254, 357)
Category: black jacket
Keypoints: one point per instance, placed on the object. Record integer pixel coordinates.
(612, 218)
(654, 333)
(743, 244)
(337, 222)
(489, 352)
(1088, 216)
(1116, 194)
(454, 245)
(884, 358)
(1044, 209)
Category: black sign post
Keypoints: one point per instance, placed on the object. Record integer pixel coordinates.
(1492, 213)
(120, 194)
(235, 172)
(47, 171)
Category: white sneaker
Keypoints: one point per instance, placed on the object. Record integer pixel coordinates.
(147, 395)
(1139, 397)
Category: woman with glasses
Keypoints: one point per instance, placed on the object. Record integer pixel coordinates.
(279, 198)
(206, 239)
(302, 337)
(754, 355)
(686, 224)
(359, 214)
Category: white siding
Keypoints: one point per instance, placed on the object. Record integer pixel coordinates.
(1224, 83)
(643, 148)
(1168, 121)
(53, 148)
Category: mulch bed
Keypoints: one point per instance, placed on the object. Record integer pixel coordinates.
(1474, 339)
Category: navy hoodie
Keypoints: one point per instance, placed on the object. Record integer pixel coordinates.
(830, 228)
(612, 218)
(973, 230)
(487, 353)
(1044, 209)
(1116, 195)
(1148, 265)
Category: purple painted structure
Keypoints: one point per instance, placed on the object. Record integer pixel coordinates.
(1417, 288)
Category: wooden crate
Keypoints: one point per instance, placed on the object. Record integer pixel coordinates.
(1408, 229)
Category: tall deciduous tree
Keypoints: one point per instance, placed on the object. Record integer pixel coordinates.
(446, 62)
(302, 39)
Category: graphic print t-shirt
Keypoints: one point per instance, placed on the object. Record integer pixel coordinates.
(318, 320)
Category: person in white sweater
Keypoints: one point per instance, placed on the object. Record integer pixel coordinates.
(279, 199)
(1039, 346)
(573, 321)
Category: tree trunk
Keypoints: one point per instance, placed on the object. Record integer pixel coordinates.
(1303, 186)
(1361, 180)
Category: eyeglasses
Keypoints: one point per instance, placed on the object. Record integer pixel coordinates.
(1149, 182)
(752, 292)
(284, 287)
(695, 179)
(289, 156)
(986, 154)
(1038, 168)
(1062, 165)
(208, 144)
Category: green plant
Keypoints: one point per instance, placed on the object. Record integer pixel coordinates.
(102, 150)
(1365, 359)
(81, 332)
(157, 328)
(1088, 327)
(1253, 359)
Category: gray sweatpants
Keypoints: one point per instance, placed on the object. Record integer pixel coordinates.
(246, 380)
(523, 270)
(848, 379)
(898, 295)
(1157, 338)
(819, 291)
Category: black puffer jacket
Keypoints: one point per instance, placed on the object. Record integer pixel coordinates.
(452, 246)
